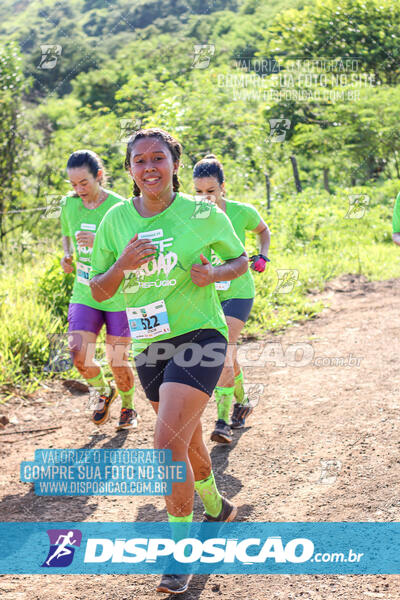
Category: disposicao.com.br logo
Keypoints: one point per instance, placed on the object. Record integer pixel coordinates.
(190, 550)
(230, 548)
(186, 550)
(63, 543)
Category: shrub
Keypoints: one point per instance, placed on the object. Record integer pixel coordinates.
(55, 290)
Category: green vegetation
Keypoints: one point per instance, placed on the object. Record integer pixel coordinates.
(326, 71)
(311, 235)
(26, 324)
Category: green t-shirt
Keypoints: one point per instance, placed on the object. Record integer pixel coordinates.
(396, 215)
(243, 217)
(76, 217)
(161, 299)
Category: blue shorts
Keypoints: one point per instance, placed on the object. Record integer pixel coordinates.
(195, 358)
(85, 318)
(239, 308)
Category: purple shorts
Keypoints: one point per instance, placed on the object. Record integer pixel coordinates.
(86, 318)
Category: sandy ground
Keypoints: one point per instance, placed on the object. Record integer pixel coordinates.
(320, 446)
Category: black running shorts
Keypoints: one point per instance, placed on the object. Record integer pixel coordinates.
(195, 358)
(239, 308)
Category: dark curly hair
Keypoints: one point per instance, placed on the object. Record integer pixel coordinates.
(173, 146)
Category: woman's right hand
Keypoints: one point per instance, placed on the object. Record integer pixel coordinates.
(137, 253)
(66, 264)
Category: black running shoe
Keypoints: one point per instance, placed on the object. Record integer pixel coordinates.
(222, 433)
(227, 514)
(240, 412)
(174, 584)
(102, 412)
(127, 419)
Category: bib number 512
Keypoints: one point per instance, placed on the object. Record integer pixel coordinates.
(149, 322)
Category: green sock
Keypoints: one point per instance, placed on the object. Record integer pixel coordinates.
(187, 519)
(239, 389)
(209, 494)
(180, 527)
(99, 382)
(127, 398)
(223, 398)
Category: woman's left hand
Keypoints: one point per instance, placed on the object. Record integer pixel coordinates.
(258, 263)
(202, 274)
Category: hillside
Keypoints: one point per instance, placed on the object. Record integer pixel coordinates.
(92, 31)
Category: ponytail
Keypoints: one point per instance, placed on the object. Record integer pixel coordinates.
(209, 166)
(89, 159)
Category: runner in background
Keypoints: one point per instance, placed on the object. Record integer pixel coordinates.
(236, 296)
(396, 221)
(177, 324)
(81, 215)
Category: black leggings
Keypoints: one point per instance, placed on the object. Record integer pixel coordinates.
(195, 358)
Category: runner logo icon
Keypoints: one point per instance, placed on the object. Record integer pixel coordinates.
(62, 550)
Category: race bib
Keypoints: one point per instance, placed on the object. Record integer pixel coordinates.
(221, 286)
(82, 272)
(148, 321)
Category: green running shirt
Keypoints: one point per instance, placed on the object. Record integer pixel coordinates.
(76, 217)
(161, 300)
(396, 215)
(243, 217)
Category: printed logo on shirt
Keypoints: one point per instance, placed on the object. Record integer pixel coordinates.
(215, 259)
(84, 250)
(221, 286)
(164, 263)
(161, 265)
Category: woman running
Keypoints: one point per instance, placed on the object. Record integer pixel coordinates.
(396, 221)
(179, 332)
(236, 296)
(81, 215)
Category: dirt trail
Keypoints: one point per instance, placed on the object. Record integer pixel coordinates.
(322, 445)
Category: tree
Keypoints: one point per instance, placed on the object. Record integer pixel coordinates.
(12, 85)
(368, 30)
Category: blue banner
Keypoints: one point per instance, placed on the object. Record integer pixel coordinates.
(237, 548)
(103, 472)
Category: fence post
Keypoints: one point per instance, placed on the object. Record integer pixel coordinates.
(326, 179)
(268, 186)
(296, 174)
